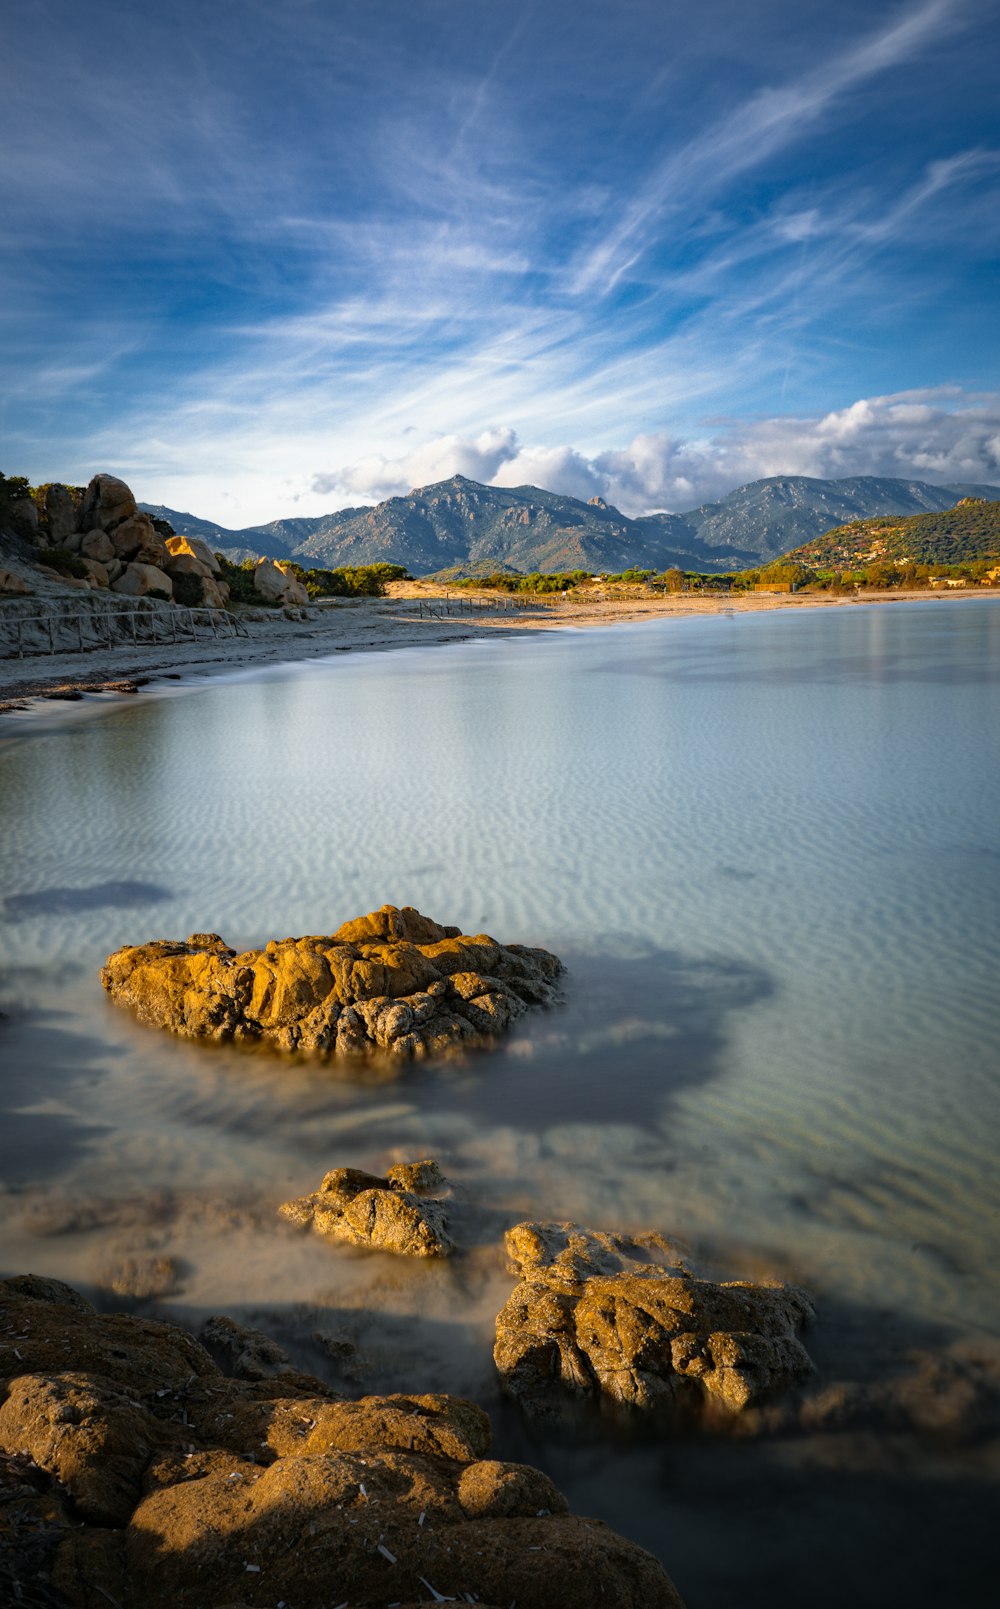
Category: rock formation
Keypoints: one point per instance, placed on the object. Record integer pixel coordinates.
(276, 582)
(396, 1213)
(621, 1317)
(97, 538)
(139, 1474)
(393, 982)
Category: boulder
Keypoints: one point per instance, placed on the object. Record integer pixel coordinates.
(244, 1352)
(137, 538)
(161, 1482)
(97, 572)
(192, 547)
(61, 508)
(184, 564)
(620, 1318)
(13, 584)
(140, 579)
(23, 512)
(97, 545)
(106, 502)
(359, 996)
(214, 593)
(277, 583)
(363, 1209)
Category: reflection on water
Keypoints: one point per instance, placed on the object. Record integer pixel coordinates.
(765, 847)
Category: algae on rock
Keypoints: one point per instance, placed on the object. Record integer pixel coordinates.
(621, 1317)
(171, 1486)
(384, 1214)
(393, 982)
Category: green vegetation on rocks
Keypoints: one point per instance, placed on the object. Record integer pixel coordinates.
(967, 533)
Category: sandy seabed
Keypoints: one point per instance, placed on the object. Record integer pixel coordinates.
(413, 614)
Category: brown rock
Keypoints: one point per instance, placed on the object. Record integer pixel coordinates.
(193, 548)
(366, 990)
(248, 1354)
(137, 538)
(13, 584)
(363, 1209)
(106, 501)
(276, 582)
(140, 579)
(97, 545)
(189, 1490)
(490, 1488)
(621, 1318)
(214, 593)
(94, 1439)
(97, 572)
(61, 505)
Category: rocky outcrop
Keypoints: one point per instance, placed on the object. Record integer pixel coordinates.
(162, 1483)
(276, 582)
(117, 545)
(393, 982)
(621, 1318)
(397, 1213)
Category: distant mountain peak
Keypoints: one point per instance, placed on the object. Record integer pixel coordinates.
(459, 522)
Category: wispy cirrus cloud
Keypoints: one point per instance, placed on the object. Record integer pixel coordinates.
(319, 256)
(766, 121)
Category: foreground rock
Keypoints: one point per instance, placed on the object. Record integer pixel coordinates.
(384, 1214)
(163, 1484)
(392, 982)
(621, 1318)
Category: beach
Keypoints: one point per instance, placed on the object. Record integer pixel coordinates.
(412, 614)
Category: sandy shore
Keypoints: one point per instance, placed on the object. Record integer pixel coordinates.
(413, 614)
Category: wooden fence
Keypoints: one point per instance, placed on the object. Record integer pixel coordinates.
(52, 633)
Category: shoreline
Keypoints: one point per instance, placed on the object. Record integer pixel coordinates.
(374, 625)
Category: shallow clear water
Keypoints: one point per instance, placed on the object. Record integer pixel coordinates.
(766, 847)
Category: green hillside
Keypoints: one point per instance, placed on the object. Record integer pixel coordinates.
(959, 535)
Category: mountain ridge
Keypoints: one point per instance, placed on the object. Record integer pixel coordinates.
(459, 522)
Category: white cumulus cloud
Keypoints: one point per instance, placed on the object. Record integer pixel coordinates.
(939, 435)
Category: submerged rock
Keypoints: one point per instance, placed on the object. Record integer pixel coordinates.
(381, 1213)
(158, 1481)
(621, 1317)
(393, 982)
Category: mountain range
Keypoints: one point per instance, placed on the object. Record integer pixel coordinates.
(459, 524)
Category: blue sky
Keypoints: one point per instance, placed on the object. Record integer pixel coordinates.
(274, 257)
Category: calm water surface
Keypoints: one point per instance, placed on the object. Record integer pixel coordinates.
(766, 847)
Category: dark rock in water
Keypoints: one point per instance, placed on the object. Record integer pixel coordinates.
(621, 1317)
(392, 982)
(242, 1351)
(144, 1476)
(382, 1214)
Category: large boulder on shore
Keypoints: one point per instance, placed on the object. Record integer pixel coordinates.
(276, 582)
(162, 1482)
(393, 982)
(621, 1318)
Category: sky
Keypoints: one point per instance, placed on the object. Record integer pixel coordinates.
(270, 258)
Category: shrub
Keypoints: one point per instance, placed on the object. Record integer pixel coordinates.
(187, 590)
(65, 562)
